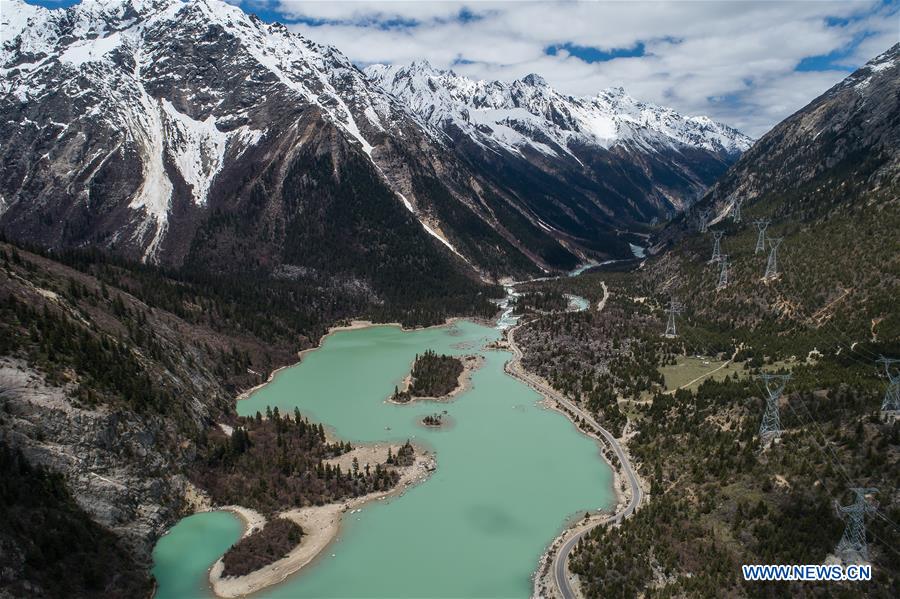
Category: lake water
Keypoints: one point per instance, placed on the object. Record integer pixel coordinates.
(510, 474)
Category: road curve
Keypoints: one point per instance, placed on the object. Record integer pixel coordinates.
(560, 560)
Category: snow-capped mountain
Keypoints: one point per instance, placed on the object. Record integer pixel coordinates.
(196, 135)
(609, 154)
(528, 112)
(116, 66)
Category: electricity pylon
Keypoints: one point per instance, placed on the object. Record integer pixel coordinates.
(717, 246)
(761, 226)
(673, 309)
(770, 428)
(704, 220)
(723, 272)
(852, 547)
(772, 264)
(891, 403)
(736, 211)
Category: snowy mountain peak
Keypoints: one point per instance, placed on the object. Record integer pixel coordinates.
(119, 65)
(875, 68)
(535, 80)
(528, 114)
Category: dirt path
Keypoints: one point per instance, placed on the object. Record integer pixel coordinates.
(706, 374)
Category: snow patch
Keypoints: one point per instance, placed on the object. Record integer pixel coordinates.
(430, 230)
(154, 197)
(530, 112)
(196, 147)
(83, 51)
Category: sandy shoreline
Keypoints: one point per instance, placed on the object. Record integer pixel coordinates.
(471, 363)
(321, 524)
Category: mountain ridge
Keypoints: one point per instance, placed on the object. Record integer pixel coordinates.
(610, 117)
(134, 122)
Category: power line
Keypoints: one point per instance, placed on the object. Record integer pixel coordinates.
(852, 547)
(673, 309)
(770, 427)
(761, 226)
(723, 272)
(846, 476)
(772, 263)
(717, 246)
(703, 221)
(891, 403)
(834, 459)
(736, 210)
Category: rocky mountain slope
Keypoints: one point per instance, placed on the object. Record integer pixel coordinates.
(110, 376)
(828, 181)
(187, 133)
(633, 160)
(839, 148)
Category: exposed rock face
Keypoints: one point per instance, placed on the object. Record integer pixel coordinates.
(112, 393)
(187, 132)
(837, 149)
(114, 461)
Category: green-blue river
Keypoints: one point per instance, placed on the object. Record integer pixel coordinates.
(510, 474)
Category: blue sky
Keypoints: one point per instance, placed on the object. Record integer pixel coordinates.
(749, 64)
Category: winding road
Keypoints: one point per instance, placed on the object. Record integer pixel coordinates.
(560, 560)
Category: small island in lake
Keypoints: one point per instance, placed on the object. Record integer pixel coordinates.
(433, 420)
(436, 377)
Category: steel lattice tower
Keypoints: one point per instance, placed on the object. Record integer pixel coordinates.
(852, 546)
(772, 264)
(736, 212)
(704, 220)
(717, 246)
(723, 272)
(891, 403)
(673, 309)
(770, 428)
(761, 226)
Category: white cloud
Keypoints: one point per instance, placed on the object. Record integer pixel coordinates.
(733, 61)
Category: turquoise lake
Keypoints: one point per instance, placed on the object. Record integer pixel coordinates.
(510, 475)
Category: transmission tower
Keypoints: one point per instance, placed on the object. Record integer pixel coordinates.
(852, 547)
(770, 428)
(673, 309)
(891, 403)
(717, 246)
(772, 264)
(761, 226)
(723, 272)
(704, 220)
(736, 212)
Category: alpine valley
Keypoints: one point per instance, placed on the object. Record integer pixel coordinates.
(152, 127)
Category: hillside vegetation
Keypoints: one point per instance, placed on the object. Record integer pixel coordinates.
(718, 495)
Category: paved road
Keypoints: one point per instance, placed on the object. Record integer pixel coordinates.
(560, 561)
